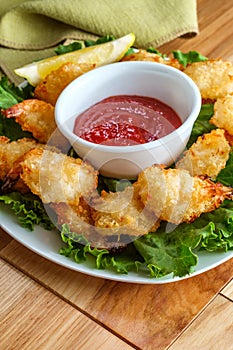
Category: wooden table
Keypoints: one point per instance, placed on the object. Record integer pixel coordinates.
(45, 306)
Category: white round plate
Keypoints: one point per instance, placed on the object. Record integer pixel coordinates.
(47, 244)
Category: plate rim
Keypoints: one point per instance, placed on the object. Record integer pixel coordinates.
(66, 262)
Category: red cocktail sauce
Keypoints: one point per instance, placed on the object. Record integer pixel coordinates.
(126, 120)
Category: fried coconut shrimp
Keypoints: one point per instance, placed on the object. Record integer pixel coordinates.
(122, 213)
(51, 87)
(12, 180)
(11, 154)
(78, 217)
(80, 221)
(214, 78)
(207, 156)
(56, 177)
(223, 114)
(109, 221)
(143, 55)
(10, 151)
(35, 116)
(175, 196)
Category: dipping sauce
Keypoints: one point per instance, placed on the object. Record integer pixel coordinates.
(126, 120)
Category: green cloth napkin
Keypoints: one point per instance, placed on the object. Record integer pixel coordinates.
(29, 30)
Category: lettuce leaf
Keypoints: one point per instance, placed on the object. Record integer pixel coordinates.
(61, 49)
(101, 40)
(163, 257)
(11, 129)
(79, 249)
(112, 185)
(157, 52)
(226, 175)
(77, 246)
(183, 58)
(171, 249)
(6, 99)
(202, 124)
(29, 209)
(123, 262)
(9, 96)
(77, 45)
(189, 57)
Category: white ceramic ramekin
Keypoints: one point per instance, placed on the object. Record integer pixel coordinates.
(157, 80)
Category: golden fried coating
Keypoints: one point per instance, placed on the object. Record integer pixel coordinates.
(12, 181)
(207, 156)
(82, 211)
(223, 114)
(51, 87)
(35, 116)
(56, 177)
(214, 78)
(11, 151)
(175, 196)
(122, 213)
(143, 55)
(80, 221)
(77, 217)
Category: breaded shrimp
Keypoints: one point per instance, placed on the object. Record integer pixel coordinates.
(175, 196)
(12, 180)
(51, 87)
(80, 222)
(207, 156)
(82, 211)
(11, 151)
(143, 55)
(77, 217)
(56, 177)
(214, 78)
(223, 114)
(122, 213)
(109, 221)
(35, 116)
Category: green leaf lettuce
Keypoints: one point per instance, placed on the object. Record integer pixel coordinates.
(171, 249)
(29, 209)
(189, 57)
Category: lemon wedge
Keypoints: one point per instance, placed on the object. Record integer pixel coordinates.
(101, 54)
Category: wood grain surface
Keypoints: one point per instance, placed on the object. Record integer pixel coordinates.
(228, 291)
(215, 39)
(211, 330)
(46, 306)
(33, 318)
(159, 312)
